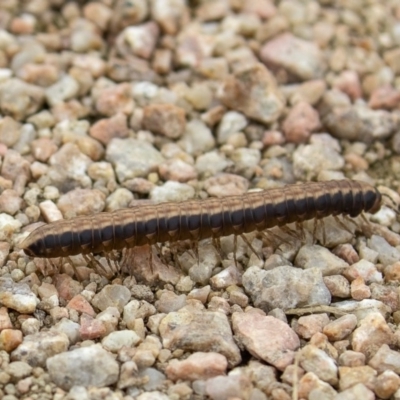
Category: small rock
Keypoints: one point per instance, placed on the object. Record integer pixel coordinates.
(351, 358)
(106, 129)
(80, 304)
(386, 384)
(112, 296)
(10, 339)
(142, 39)
(17, 296)
(317, 361)
(113, 101)
(340, 328)
(284, 51)
(385, 97)
(365, 270)
(301, 121)
(356, 392)
(177, 170)
(226, 387)
(385, 359)
(164, 119)
(172, 191)
(308, 325)
(81, 202)
(285, 287)
(86, 366)
(337, 285)
(116, 340)
(197, 139)
(18, 370)
(132, 158)
(351, 376)
(197, 366)
(359, 290)
(266, 337)
(65, 89)
(253, 92)
(372, 333)
(231, 123)
(315, 256)
(169, 302)
(387, 253)
(199, 331)
(37, 348)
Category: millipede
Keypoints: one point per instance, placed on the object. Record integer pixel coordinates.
(195, 220)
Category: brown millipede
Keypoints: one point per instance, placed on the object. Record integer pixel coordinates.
(200, 219)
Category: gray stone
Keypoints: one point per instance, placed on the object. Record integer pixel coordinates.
(285, 287)
(86, 366)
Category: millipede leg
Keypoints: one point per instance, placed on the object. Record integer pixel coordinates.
(300, 227)
(235, 250)
(249, 244)
(290, 232)
(217, 244)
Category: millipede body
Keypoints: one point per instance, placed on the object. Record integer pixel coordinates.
(200, 219)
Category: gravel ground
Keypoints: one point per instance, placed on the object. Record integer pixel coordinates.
(110, 104)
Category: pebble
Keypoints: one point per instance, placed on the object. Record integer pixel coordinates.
(142, 39)
(112, 296)
(121, 198)
(285, 287)
(387, 253)
(69, 328)
(18, 370)
(81, 202)
(106, 129)
(65, 89)
(266, 337)
(199, 331)
(10, 202)
(309, 325)
(359, 290)
(164, 119)
(80, 304)
(227, 277)
(197, 366)
(132, 158)
(253, 92)
(319, 257)
(348, 82)
(17, 296)
(340, 328)
(10, 131)
(197, 139)
(362, 308)
(177, 170)
(317, 361)
(372, 333)
(300, 122)
(20, 99)
(69, 163)
(284, 51)
(386, 384)
(385, 97)
(351, 376)
(8, 225)
(358, 391)
(36, 349)
(338, 286)
(359, 123)
(115, 341)
(228, 387)
(169, 302)
(385, 359)
(351, 358)
(231, 123)
(309, 160)
(112, 101)
(86, 366)
(10, 339)
(224, 184)
(310, 386)
(172, 191)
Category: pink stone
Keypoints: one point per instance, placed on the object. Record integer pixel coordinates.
(91, 328)
(197, 366)
(267, 338)
(301, 121)
(80, 304)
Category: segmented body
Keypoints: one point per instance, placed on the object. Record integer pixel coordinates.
(200, 219)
